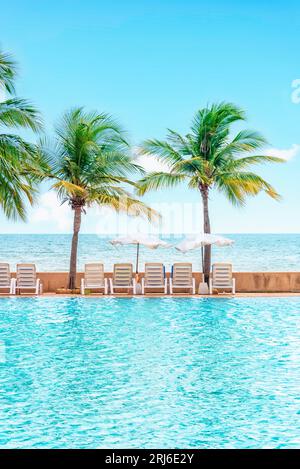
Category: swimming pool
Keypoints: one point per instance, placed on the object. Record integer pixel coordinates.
(176, 373)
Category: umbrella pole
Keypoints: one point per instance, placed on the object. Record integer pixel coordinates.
(137, 258)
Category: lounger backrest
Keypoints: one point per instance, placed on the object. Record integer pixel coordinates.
(122, 275)
(94, 274)
(222, 274)
(182, 273)
(154, 274)
(4, 275)
(26, 275)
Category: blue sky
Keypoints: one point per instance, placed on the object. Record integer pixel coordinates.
(152, 64)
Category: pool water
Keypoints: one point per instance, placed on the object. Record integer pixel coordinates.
(174, 373)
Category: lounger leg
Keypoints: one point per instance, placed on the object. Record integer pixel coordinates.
(105, 286)
(82, 287)
(166, 286)
(194, 286)
(171, 286)
(233, 286)
(37, 288)
(210, 287)
(143, 286)
(111, 286)
(134, 286)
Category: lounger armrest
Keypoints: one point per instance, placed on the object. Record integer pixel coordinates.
(82, 287)
(12, 288)
(143, 286)
(134, 286)
(38, 286)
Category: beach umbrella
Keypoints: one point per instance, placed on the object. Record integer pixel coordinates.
(138, 239)
(199, 241)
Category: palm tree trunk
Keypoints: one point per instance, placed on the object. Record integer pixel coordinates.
(73, 258)
(206, 229)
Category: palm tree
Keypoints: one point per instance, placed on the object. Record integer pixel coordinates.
(7, 72)
(91, 165)
(208, 158)
(17, 157)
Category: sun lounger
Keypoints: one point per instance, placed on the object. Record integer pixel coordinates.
(6, 281)
(94, 278)
(221, 278)
(182, 278)
(122, 278)
(26, 278)
(154, 278)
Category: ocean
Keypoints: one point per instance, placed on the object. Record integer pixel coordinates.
(250, 252)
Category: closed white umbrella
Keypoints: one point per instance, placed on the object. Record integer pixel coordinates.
(199, 241)
(150, 241)
(204, 239)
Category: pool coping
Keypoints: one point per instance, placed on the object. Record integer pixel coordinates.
(159, 295)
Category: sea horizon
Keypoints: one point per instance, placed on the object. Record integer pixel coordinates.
(250, 251)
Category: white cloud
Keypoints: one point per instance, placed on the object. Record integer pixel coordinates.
(50, 212)
(295, 96)
(287, 154)
(149, 163)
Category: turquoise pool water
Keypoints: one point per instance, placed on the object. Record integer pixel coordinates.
(92, 373)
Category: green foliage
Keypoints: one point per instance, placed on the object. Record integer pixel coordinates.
(90, 163)
(208, 157)
(19, 159)
(8, 71)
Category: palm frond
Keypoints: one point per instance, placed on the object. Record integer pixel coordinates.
(243, 184)
(16, 112)
(120, 200)
(159, 180)
(161, 150)
(190, 166)
(68, 188)
(13, 189)
(243, 163)
(8, 72)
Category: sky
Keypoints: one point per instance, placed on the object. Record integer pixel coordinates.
(152, 65)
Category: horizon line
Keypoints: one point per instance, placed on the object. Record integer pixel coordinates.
(160, 234)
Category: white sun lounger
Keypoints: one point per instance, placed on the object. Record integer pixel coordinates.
(221, 278)
(182, 277)
(26, 278)
(6, 281)
(94, 278)
(122, 278)
(154, 278)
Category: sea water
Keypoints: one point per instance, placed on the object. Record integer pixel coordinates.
(250, 252)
